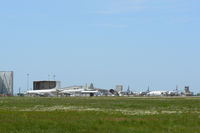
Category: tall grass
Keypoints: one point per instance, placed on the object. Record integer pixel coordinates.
(14, 118)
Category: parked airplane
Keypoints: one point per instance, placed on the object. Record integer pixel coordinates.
(71, 92)
(79, 92)
(68, 91)
(48, 92)
(172, 93)
(157, 93)
(90, 92)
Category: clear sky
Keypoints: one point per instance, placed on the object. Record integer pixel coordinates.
(107, 42)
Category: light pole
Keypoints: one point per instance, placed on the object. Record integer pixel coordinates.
(27, 81)
(49, 79)
(54, 77)
(19, 90)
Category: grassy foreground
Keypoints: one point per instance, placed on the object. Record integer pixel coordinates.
(99, 115)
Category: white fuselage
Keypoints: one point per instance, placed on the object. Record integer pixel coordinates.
(157, 93)
(48, 92)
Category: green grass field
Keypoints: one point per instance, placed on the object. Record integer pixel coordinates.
(99, 115)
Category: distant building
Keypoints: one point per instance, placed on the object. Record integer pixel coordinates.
(187, 91)
(6, 83)
(119, 88)
(44, 85)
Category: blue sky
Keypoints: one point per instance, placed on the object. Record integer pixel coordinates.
(107, 42)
